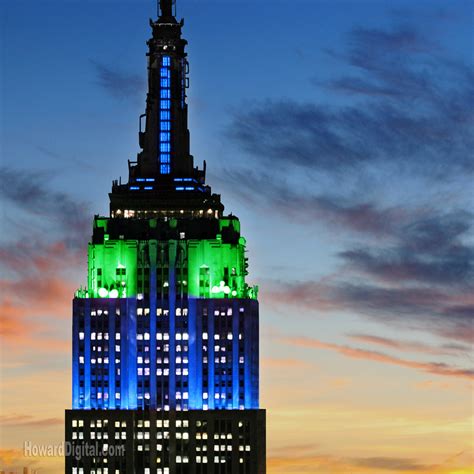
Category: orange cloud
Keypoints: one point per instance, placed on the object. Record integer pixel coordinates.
(292, 461)
(272, 363)
(25, 421)
(410, 345)
(35, 290)
(437, 368)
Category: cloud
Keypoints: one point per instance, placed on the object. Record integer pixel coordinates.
(28, 421)
(415, 269)
(291, 462)
(274, 363)
(34, 292)
(36, 286)
(425, 309)
(435, 368)
(72, 160)
(38, 275)
(430, 250)
(403, 123)
(29, 191)
(403, 113)
(390, 464)
(412, 346)
(119, 84)
(363, 217)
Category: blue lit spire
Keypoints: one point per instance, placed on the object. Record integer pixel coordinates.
(165, 140)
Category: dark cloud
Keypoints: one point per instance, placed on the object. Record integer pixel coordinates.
(452, 268)
(415, 267)
(410, 108)
(77, 163)
(291, 201)
(31, 193)
(429, 250)
(118, 84)
(426, 309)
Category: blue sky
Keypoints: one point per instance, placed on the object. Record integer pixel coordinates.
(341, 134)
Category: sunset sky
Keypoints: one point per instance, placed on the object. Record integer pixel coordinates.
(342, 135)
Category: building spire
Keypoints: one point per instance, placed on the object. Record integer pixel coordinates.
(166, 7)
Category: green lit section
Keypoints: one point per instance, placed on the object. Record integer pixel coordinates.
(215, 268)
(113, 269)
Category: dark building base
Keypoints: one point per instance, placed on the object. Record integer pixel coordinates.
(165, 442)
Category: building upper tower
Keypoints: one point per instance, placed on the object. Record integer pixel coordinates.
(165, 336)
(163, 181)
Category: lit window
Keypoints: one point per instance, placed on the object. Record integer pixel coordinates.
(166, 61)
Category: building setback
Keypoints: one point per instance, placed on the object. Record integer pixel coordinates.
(166, 332)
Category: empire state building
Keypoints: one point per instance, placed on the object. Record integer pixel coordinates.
(166, 332)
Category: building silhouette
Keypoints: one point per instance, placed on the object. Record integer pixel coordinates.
(166, 333)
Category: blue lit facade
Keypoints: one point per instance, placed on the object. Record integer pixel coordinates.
(199, 354)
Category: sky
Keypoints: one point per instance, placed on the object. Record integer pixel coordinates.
(341, 133)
